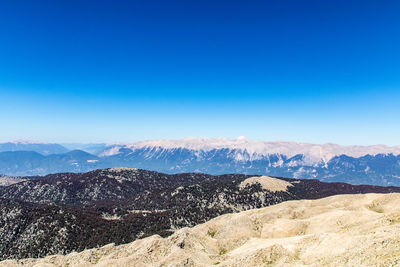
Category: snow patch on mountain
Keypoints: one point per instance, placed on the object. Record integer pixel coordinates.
(246, 149)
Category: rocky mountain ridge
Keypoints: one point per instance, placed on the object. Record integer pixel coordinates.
(9, 180)
(256, 149)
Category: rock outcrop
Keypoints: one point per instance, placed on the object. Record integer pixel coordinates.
(342, 230)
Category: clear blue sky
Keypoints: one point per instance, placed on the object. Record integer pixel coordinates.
(95, 71)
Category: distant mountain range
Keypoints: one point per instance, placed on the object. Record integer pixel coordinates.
(27, 163)
(42, 148)
(378, 164)
(65, 212)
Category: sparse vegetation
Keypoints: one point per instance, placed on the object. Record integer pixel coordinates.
(211, 232)
(65, 212)
(222, 251)
(372, 239)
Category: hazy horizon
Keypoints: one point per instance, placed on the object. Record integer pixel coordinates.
(73, 144)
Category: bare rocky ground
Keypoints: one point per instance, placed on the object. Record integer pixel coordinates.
(342, 230)
(67, 212)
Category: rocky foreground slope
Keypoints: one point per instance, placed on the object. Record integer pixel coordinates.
(342, 230)
(68, 212)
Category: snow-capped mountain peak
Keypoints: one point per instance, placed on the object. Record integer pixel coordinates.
(312, 152)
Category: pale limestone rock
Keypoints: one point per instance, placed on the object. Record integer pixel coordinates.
(267, 183)
(343, 230)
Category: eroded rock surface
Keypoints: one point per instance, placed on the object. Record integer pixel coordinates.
(343, 230)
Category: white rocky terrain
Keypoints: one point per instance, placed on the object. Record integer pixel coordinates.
(343, 230)
(7, 180)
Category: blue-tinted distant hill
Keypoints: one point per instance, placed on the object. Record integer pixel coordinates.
(93, 148)
(27, 163)
(42, 148)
